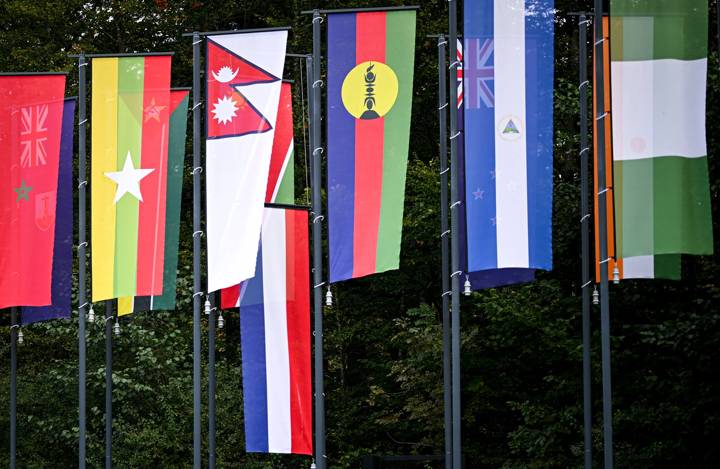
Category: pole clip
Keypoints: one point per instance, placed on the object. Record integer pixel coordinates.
(443, 107)
(197, 42)
(585, 218)
(444, 233)
(442, 43)
(82, 122)
(199, 232)
(317, 18)
(606, 260)
(602, 116)
(197, 169)
(82, 183)
(586, 284)
(317, 83)
(455, 203)
(456, 273)
(446, 293)
(200, 103)
(597, 43)
(318, 149)
(319, 285)
(198, 293)
(454, 64)
(585, 83)
(318, 219)
(444, 171)
(587, 21)
(584, 150)
(84, 64)
(457, 134)
(603, 191)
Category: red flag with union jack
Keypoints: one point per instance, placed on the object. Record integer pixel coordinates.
(31, 111)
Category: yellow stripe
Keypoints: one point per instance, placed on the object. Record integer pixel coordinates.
(104, 159)
(125, 305)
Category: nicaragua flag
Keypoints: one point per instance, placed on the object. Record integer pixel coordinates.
(275, 337)
(508, 97)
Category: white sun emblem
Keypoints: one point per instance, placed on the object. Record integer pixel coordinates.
(225, 74)
(225, 109)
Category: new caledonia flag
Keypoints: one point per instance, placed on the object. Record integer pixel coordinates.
(509, 133)
(31, 112)
(130, 125)
(370, 79)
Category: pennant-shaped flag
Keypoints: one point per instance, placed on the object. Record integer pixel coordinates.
(370, 83)
(243, 90)
(176, 162)
(648, 266)
(281, 177)
(658, 62)
(488, 278)
(275, 335)
(31, 112)
(130, 120)
(63, 250)
(508, 94)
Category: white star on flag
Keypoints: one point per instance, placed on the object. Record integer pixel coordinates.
(128, 180)
(225, 109)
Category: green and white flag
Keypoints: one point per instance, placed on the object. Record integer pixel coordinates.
(659, 72)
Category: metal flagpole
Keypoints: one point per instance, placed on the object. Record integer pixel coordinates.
(445, 247)
(82, 258)
(602, 214)
(585, 227)
(454, 232)
(210, 310)
(13, 386)
(315, 142)
(109, 316)
(197, 232)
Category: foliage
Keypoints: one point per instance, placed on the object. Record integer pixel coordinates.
(521, 345)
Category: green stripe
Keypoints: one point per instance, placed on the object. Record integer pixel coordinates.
(131, 76)
(399, 56)
(176, 162)
(286, 190)
(667, 266)
(659, 29)
(665, 206)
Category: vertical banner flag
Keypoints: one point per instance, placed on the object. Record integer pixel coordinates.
(130, 120)
(60, 305)
(275, 336)
(281, 177)
(370, 84)
(659, 76)
(31, 113)
(477, 76)
(176, 162)
(244, 73)
(508, 93)
(650, 266)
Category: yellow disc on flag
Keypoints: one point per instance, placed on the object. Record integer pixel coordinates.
(370, 89)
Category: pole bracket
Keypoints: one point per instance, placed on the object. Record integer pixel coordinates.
(84, 244)
(454, 204)
(454, 64)
(319, 285)
(318, 149)
(585, 83)
(443, 107)
(318, 18)
(606, 260)
(444, 233)
(586, 284)
(197, 169)
(602, 116)
(585, 218)
(198, 293)
(318, 219)
(82, 183)
(446, 293)
(200, 103)
(82, 122)
(457, 134)
(442, 43)
(456, 273)
(584, 150)
(317, 83)
(199, 232)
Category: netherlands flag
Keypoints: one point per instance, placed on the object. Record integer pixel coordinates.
(275, 336)
(508, 92)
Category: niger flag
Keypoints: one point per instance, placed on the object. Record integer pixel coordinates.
(130, 125)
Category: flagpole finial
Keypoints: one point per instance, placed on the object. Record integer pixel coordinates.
(595, 296)
(91, 315)
(221, 321)
(328, 297)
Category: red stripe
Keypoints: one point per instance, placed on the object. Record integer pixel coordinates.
(151, 218)
(229, 297)
(369, 142)
(281, 141)
(298, 329)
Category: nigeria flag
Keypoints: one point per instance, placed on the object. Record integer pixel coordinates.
(659, 71)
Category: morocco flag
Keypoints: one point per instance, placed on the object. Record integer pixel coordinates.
(31, 111)
(130, 127)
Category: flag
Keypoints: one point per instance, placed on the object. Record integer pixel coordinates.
(281, 176)
(370, 81)
(489, 278)
(130, 119)
(659, 74)
(275, 338)
(243, 90)
(176, 162)
(60, 305)
(508, 95)
(31, 111)
(649, 266)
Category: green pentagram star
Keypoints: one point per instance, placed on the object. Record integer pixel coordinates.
(23, 191)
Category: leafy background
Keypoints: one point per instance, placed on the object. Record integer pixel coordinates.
(521, 346)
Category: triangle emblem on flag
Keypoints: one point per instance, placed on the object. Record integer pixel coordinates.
(230, 113)
(511, 128)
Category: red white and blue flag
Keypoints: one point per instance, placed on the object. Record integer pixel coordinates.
(244, 73)
(275, 336)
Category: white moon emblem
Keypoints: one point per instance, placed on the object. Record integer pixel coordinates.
(225, 74)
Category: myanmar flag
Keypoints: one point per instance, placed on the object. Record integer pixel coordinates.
(658, 60)
(130, 126)
(370, 81)
(176, 160)
(31, 112)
